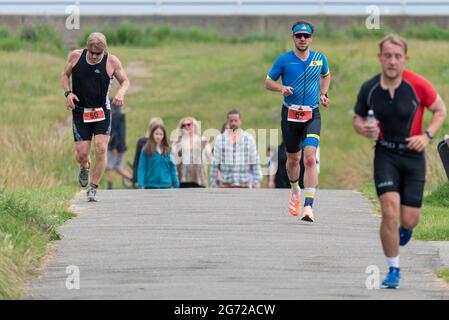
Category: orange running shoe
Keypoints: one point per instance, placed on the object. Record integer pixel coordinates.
(307, 214)
(294, 205)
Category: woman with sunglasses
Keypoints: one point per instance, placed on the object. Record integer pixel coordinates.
(192, 154)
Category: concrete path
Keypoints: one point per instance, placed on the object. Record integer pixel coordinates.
(228, 244)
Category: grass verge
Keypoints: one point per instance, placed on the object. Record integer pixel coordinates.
(443, 274)
(434, 221)
(28, 222)
(434, 224)
(40, 37)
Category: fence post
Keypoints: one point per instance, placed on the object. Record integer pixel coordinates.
(239, 7)
(158, 7)
(322, 8)
(404, 7)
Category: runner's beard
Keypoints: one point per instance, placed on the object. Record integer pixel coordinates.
(302, 50)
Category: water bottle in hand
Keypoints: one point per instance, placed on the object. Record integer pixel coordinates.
(372, 122)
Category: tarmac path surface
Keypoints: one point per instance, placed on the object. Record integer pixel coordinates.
(229, 244)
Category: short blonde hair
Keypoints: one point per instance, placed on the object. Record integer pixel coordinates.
(98, 41)
(394, 39)
(195, 126)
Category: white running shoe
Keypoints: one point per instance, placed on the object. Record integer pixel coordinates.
(91, 193)
(307, 214)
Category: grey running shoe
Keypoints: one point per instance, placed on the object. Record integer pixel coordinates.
(91, 193)
(83, 177)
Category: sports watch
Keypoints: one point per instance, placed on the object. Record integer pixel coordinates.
(429, 134)
(66, 94)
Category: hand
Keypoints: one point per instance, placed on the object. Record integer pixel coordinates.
(271, 185)
(418, 143)
(325, 101)
(114, 152)
(70, 101)
(287, 91)
(119, 99)
(370, 131)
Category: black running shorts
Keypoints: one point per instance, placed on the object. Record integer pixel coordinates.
(84, 131)
(404, 173)
(297, 135)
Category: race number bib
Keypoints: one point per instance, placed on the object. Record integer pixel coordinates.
(93, 115)
(299, 113)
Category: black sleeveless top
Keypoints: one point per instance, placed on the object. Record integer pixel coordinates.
(91, 83)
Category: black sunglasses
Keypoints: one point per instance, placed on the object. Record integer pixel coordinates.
(186, 125)
(95, 53)
(300, 35)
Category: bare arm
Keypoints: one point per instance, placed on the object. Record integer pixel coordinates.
(438, 108)
(325, 83)
(65, 78)
(274, 86)
(420, 142)
(324, 88)
(122, 78)
(66, 74)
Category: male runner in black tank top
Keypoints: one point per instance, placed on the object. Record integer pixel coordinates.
(92, 71)
(398, 98)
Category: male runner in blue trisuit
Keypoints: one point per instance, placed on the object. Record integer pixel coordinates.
(305, 83)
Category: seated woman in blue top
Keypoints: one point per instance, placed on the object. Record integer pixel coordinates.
(157, 169)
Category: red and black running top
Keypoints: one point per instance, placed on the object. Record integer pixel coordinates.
(402, 116)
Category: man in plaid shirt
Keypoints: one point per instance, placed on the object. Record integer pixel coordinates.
(235, 155)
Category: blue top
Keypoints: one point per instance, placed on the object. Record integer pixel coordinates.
(157, 171)
(303, 76)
